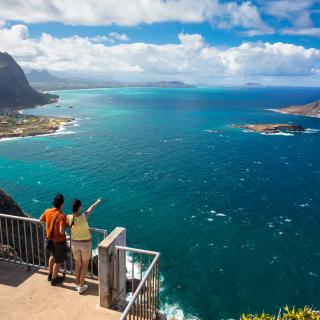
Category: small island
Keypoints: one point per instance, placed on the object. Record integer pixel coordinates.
(311, 109)
(19, 125)
(271, 128)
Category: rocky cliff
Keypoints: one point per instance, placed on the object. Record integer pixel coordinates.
(9, 206)
(15, 91)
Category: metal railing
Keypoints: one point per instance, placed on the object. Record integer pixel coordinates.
(22, 241)
(143, 281)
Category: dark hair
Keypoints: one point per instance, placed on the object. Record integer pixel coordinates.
(58, 200)
(76, 204)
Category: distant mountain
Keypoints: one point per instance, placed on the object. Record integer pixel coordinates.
(15, 91)
(253, 84)
(41, 76)
(161, 84)
(45, 81)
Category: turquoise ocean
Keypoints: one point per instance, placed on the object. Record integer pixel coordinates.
(236, 215)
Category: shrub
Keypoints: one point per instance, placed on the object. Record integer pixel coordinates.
(305, 313)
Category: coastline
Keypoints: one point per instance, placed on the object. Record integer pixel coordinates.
(59, 131)
(293, 114)
(17, 125)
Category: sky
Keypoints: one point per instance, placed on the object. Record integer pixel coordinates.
(215, 42)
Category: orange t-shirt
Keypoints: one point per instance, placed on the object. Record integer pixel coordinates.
(48, 217)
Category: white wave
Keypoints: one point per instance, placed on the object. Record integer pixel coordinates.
(309, 130)
(174, 311)
(220, 215)
(302, 205)
(287, 134)
(274, 110)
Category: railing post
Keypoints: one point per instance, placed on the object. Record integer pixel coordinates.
(108, 268)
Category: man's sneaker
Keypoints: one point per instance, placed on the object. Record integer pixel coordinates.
(49, 277)
(83, 289)
(56, 281)
(77, 287)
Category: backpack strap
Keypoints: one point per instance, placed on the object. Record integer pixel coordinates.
(53, 225)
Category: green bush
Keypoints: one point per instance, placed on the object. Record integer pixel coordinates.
(288, 314)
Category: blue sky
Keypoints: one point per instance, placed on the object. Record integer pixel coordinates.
(210, 41)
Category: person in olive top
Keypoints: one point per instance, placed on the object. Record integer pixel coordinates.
(81, 241)
(55, 222)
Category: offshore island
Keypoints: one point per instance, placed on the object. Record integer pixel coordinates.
(270, 128)
(309, 110)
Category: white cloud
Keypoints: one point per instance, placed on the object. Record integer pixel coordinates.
(191, 59)
(134, 12)
(244, 15)
(118, 36)
(112, 38)
(314, 32)
(191, 41)
(297, 12)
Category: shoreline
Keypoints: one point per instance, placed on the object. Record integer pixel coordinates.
(59, 131)
(292, 114)
(18, 125)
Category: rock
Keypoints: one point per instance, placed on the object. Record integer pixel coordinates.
(136, 283)
(271, 128)
(15, 91)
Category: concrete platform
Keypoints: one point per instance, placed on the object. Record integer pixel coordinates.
(28, 295)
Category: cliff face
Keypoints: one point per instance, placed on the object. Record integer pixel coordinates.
(9, 206)
(15, 91)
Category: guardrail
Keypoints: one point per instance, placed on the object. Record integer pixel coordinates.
(143, 278)
(129, 278)
(22, 241)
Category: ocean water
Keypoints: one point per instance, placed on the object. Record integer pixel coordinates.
(234, 214)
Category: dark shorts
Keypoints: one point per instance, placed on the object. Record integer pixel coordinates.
(60, 251)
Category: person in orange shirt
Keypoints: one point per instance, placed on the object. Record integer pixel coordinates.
(55, 222)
